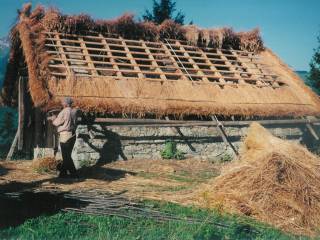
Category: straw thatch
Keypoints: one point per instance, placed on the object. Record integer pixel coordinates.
(105, 94)
(275, 181)
(48, 164)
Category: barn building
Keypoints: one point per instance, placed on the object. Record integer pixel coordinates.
(139, 85)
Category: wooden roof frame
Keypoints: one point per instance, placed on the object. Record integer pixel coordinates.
(93, 56)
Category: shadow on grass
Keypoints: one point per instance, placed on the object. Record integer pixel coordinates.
(18, 207)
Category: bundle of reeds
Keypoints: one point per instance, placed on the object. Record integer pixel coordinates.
(171, 30)
(251, 40)
(275, 181)
(127, 27)
(47, 164)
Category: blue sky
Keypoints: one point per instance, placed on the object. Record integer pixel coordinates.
(289, 27)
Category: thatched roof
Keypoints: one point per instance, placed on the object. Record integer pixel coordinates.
(125, 66)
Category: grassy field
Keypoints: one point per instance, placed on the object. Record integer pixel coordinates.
(82, 226)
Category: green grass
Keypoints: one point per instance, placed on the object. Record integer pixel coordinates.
(82, 226)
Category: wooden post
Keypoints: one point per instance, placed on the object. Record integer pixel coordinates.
(50, 138)
(183, 136)
(38, 128)
(224, 135)
(312, 131)
(13, 146)
(21, 118)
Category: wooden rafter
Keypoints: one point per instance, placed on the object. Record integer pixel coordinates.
(112, 61)
(154, 62)
(87, 57)
(132, 60)
(61, 52)
(195, 66)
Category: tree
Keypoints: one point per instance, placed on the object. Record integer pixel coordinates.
(163, 10)
(314, 75)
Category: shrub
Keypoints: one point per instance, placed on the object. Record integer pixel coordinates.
(170, 151)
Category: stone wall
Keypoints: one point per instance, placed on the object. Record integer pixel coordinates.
(102, 144)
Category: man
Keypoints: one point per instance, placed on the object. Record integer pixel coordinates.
(66, 127)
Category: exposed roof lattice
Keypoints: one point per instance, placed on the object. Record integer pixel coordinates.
(154, 61)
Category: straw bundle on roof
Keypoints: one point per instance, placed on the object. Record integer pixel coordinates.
(250, 40)
(172, 30)
(275, 181)
(127, 27)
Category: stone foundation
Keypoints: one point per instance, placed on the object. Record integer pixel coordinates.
(102, 144)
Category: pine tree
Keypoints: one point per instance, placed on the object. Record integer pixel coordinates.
(163, 10)
(314, 75)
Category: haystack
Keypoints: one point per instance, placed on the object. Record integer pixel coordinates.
(275, 181)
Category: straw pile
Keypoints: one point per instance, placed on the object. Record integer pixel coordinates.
(47, 164)
(274, 181)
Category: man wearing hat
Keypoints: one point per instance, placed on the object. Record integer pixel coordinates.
(66, 127)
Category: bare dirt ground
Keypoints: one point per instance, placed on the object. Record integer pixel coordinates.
(169, 180)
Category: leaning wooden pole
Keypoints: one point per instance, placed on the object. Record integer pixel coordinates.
(13, 147)
(18, 139)
(224, 135)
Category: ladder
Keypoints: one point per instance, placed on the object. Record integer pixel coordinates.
(214, 118)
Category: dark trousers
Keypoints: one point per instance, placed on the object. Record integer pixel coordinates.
(67, 163)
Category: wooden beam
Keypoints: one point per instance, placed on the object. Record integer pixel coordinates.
(106, 46)
(157, 72)
(154, 62)
(132, 59)
(174, 62)
(213, 68)
(61, 52)
(230, 66)
(13, 146)
(38, 128)
(87, 57)
(224, 135)
(21, 112)
(123, 121)
(194, 65)
(126, 58)
(209, 64)
(312, 131)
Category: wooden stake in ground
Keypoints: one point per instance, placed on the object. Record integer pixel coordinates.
(13, 146)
